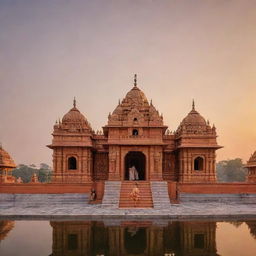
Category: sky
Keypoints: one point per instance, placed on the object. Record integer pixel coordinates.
(53, 50)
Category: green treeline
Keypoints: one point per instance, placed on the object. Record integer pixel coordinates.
(231, 171)
(227, 171)
(43, 172)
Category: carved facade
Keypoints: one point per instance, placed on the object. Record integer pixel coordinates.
(135, 135)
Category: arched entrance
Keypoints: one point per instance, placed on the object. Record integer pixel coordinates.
(138, 160)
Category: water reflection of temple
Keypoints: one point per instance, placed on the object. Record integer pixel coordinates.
(5, 227)
(134, 238)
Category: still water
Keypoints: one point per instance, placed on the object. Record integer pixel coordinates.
(166, 238)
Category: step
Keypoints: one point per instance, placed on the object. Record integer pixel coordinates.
(160, 194)
(145, 200)
(111, 194)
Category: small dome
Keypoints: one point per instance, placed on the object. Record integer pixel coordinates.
(194, 118)
(73, 116)
(5, 160)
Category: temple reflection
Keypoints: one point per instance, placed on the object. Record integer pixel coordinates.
(134, 238)
(5, 227)
(130, 238)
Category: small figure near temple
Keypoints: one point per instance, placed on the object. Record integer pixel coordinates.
(19, 180)
(133, 173)
(135, 194)
(34, 178)
(93, 195)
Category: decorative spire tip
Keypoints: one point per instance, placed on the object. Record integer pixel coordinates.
(74, 102)
(193, 105)
(135, 80)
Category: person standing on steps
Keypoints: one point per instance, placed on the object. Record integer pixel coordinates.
(135, 194)
(133, 173)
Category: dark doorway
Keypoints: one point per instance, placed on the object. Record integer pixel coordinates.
(138, 160)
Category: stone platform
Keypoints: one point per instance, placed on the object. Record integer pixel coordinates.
(68, 206)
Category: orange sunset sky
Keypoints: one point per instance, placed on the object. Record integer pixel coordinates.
(53, 50)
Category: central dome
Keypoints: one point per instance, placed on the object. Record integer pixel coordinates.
(135, 95)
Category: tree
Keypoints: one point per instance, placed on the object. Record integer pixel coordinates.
(231, 171)
(25, 172)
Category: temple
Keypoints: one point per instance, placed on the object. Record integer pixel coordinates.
(251, 166)
(135, 135)
(6, 166)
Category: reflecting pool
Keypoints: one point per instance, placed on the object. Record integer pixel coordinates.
(124, 237)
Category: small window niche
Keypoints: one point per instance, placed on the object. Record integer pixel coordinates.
(72, 163)
(198, 163)
(135, 132)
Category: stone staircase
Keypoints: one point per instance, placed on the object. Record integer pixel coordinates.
(145, 200)
(160, 194)
(111, 194)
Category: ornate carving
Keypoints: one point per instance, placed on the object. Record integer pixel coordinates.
(100, 166)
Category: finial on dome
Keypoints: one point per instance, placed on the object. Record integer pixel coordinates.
(151, 102)
(193, 105)
(74, 102)
(135, 80)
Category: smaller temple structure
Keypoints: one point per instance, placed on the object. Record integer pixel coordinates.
(6, 166)
(251, 166)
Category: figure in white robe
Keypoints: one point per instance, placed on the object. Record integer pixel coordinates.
(133, 173)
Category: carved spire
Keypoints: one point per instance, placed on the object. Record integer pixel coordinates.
(135, 80)
(193, 105)
(74, 102)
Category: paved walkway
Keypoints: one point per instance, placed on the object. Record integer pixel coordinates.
(179, 211)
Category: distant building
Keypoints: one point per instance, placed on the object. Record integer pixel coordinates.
(6, 166)
(251, 166)
(135, 135)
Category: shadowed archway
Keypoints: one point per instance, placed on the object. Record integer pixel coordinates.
(138, 160)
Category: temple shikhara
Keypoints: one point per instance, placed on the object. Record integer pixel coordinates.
(134, 137)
